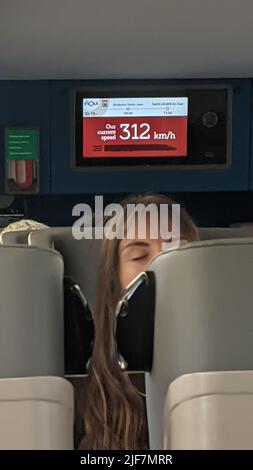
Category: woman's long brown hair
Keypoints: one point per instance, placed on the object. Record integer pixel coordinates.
(114, 415)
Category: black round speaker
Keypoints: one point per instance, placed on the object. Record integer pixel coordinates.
(210, 119)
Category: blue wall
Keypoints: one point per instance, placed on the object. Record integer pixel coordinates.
(27, 103)
(47, 104)
(226, 194)
(216, 209)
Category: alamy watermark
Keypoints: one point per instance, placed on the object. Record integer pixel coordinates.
(135, 221)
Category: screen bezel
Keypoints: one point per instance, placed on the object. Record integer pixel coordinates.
(160, 88)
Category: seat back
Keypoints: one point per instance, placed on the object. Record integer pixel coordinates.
(37, 413)
(210, 411)
(31, 306)
(203, 317)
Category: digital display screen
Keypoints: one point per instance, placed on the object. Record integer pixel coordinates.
(134, 127)
(150, 124)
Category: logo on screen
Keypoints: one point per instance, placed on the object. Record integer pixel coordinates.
(91, 103)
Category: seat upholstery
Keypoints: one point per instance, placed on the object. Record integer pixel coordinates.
(31, 312)
(203, 316)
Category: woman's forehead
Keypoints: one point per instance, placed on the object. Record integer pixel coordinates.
(147, 226)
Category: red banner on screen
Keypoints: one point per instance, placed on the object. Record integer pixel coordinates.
(135, 136)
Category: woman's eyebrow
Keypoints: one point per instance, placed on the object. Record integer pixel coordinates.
(134, 243)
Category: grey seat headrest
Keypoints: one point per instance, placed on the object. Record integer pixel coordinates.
(81, 257)
(15, 237)
(213, 233)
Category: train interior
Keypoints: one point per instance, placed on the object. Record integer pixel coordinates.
(99, 101)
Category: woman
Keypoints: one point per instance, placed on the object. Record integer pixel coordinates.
(114, 413)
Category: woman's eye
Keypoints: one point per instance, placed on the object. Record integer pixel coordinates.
(139, 257)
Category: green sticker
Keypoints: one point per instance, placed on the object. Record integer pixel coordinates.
(21, 144)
